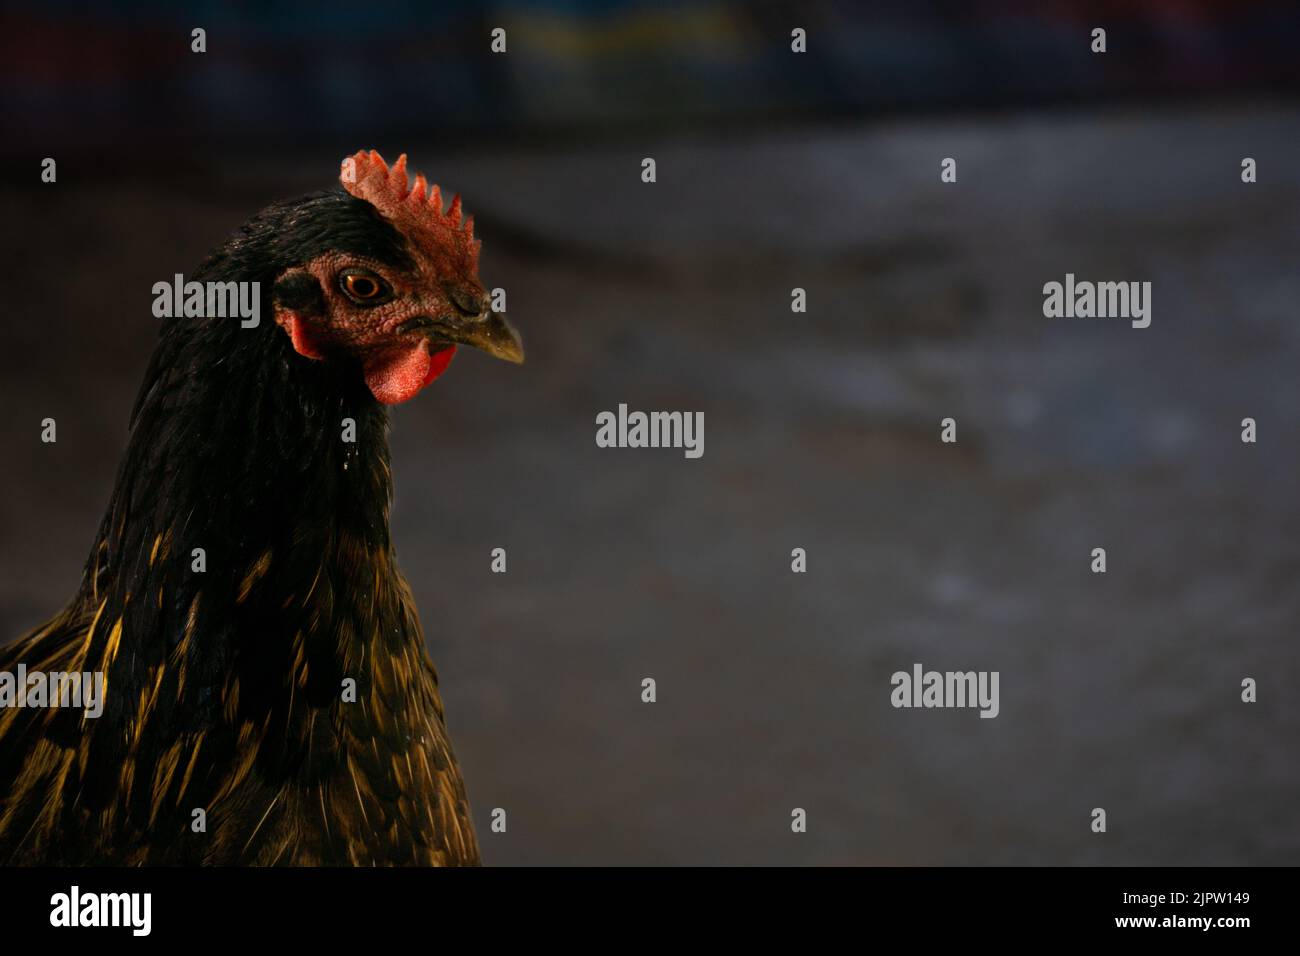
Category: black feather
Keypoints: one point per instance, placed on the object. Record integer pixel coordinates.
(225, 686)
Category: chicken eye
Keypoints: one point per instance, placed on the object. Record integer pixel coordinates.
(363, 287)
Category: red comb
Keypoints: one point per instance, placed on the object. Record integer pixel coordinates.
(366, 176)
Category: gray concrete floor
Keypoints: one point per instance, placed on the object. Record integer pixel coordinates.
(822, 431)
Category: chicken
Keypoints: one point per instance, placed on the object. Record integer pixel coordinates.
(268, 698)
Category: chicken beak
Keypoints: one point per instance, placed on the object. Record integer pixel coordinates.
(491, 333)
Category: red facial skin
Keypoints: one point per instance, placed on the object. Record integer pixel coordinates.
(396, 364)
(393, 376)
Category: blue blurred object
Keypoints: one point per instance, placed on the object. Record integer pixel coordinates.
(80, 74)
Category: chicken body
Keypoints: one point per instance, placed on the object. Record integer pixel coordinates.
(268, 696)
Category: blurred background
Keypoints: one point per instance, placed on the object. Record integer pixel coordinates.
(775, 170)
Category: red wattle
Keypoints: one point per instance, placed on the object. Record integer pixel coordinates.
(397, 375)
(438, 363)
